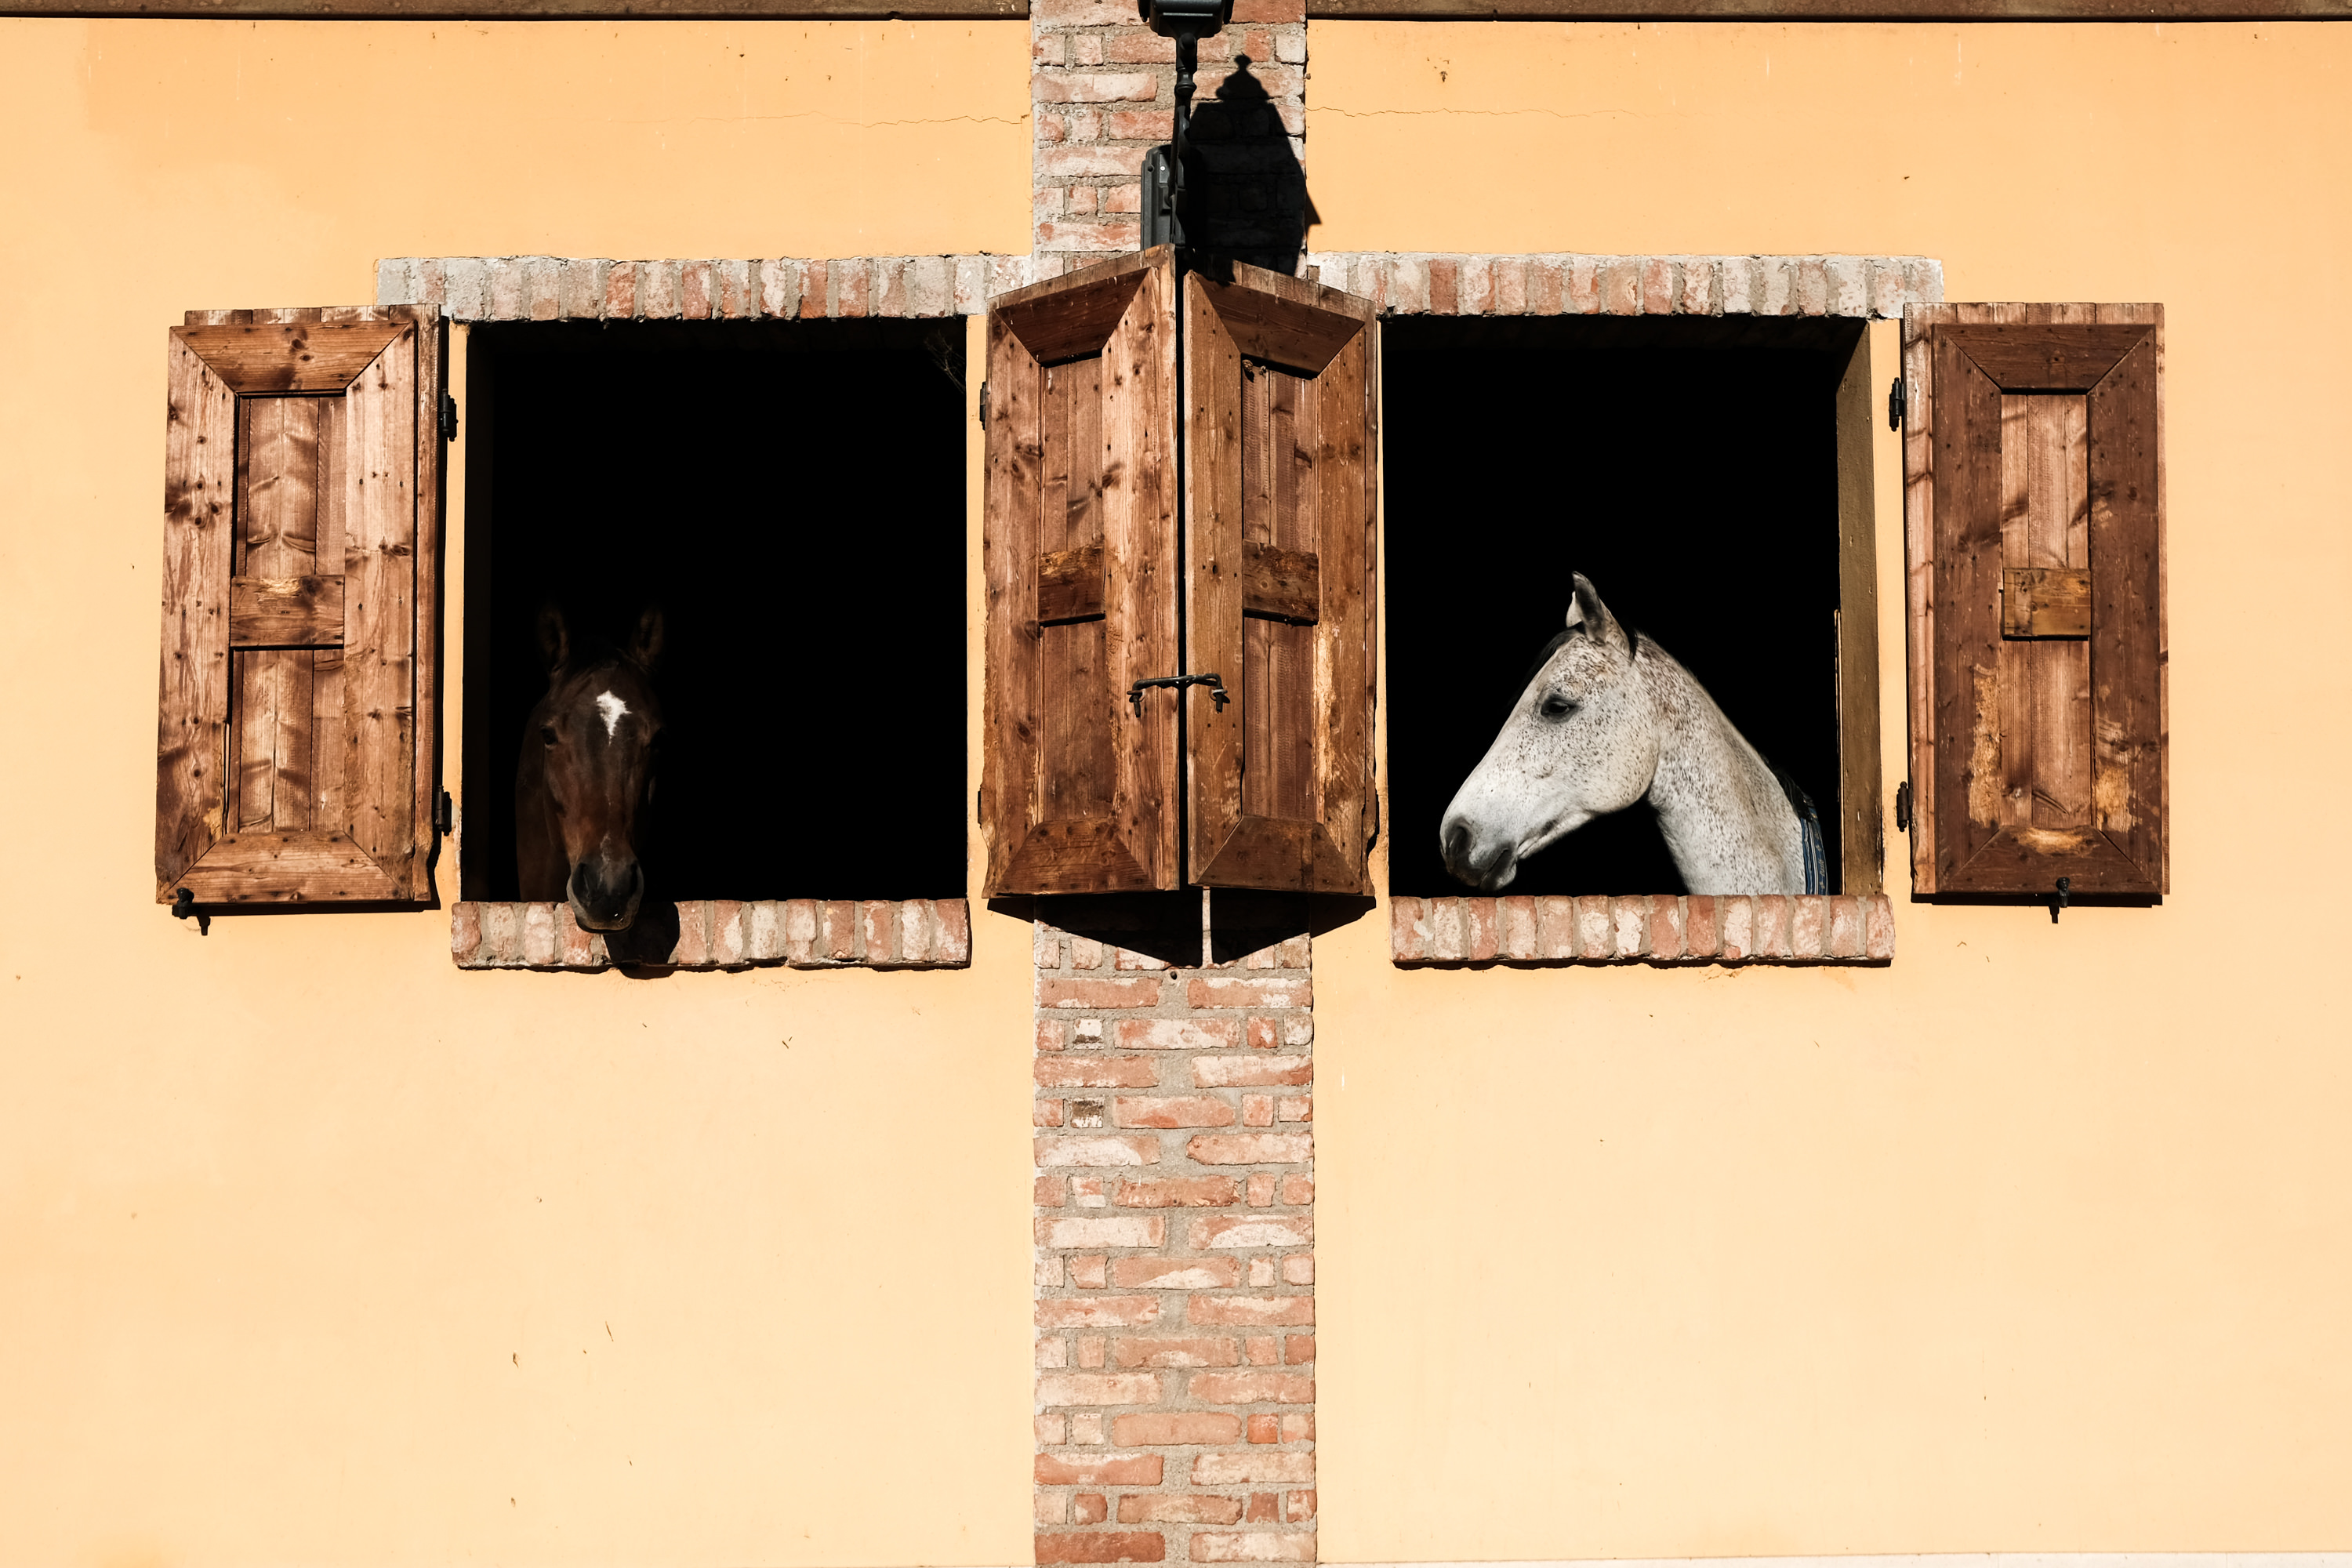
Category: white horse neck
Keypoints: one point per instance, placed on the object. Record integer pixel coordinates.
(1725, 817)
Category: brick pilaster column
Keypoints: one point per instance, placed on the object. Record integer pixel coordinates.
(1104, 91)
(1175, 1264)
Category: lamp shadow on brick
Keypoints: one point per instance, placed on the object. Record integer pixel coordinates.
(1257, 205)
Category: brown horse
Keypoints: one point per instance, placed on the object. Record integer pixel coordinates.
(586, 778)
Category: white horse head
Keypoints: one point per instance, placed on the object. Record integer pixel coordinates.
(1607, 719)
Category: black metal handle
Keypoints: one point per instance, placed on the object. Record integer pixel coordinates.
(2058, 900)
(1213, 680)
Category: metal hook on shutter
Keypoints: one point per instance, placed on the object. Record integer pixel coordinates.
(1213, 680)
(2058, 900)
(184, 907)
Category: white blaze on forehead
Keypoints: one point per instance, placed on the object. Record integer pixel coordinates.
(612, 708)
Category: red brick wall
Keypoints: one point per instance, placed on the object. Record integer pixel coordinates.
(1175, 1292)
(1104, 89)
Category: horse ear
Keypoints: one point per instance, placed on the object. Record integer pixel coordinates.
(554, 638)
(1588, 613)
(646, 647)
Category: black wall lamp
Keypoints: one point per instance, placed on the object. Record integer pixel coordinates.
(1169, 178)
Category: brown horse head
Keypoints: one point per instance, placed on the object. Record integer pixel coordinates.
(586, 778)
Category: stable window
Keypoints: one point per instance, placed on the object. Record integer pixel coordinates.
(1710, 479)
(790, 498)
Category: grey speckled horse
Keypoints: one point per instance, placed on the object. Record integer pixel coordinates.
(1609, 718)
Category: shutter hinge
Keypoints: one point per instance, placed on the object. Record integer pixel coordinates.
(445, 814)
(1373, 836)
(983, 406)
(1902, 807)
(448, 418)
(184, 908)
(1897, 405)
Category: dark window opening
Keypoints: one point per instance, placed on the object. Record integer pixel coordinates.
(792, 495)
(1689, 467)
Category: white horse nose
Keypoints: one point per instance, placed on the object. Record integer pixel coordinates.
(1469, 859)
(1453, 841)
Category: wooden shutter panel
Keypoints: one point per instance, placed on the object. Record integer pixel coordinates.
(1280, 444)
(301, 555)
(1078, 548)
(2034, 522)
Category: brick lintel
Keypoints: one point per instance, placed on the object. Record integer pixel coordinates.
(1660, 928)
(1403, 283)
(1563, 283)
(592, 289)
(720, 933)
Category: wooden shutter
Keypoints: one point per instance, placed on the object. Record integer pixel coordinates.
(1078, 548)
(1280, 442)
(301, 555)
(2035, 520)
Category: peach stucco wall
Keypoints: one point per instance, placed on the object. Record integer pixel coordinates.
(2041, 1238)
(313, 1249)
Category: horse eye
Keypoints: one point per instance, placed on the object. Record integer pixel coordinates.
(1555, 706)
(547, 734)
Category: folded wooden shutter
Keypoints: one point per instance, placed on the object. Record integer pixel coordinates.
(301, 540)
(1078, 547)
(1280, 444)
(2034, 477)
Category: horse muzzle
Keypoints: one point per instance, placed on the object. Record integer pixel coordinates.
(1486, 864)
(604, 893)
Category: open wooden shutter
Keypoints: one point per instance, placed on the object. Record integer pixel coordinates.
(1280, 444)
(302, 554)
(1078, 546)
(2034, 479)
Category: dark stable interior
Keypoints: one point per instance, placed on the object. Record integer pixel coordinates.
(792, 495)
(1686, 466)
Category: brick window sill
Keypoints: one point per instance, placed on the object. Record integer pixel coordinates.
(1846, 929)
(722, 933)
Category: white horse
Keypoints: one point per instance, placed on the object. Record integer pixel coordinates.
(1608, 718)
